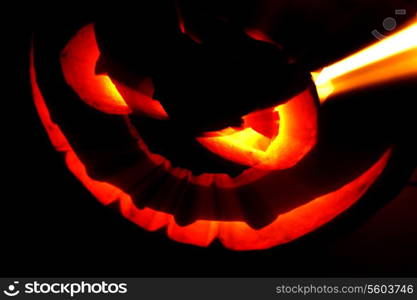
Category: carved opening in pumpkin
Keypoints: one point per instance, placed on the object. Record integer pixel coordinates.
(274, 138)
(79, 60)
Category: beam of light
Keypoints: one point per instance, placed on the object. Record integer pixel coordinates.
(391, 59)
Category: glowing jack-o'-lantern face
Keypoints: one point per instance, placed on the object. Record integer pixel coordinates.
(275, 197)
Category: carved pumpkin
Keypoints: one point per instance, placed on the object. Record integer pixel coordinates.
(254, 173)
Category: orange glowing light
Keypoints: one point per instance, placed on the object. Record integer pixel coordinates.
(234, 235)
(78, 62)
(391, 59)
(260, 35)
(140, 100)
(297, 135)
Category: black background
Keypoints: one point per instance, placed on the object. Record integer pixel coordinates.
(52, 226)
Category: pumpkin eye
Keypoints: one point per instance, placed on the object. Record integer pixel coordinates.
(273, 138)
(100, 91)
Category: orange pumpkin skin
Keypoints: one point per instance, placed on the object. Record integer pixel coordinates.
(237, 225)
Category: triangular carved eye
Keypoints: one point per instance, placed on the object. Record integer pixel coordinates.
(97, 89)
(274, 138)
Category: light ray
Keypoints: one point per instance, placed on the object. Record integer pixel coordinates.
(391, 59)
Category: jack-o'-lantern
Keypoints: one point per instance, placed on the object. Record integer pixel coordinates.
(211, 134)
